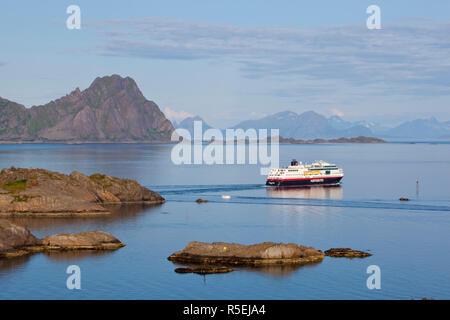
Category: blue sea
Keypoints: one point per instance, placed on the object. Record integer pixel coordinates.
(409, 241)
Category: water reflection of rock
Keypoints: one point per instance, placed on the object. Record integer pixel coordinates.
(331, 192)
(274, 271)
(119, 214)
(13, 264)
(278, 271)
(74, 255)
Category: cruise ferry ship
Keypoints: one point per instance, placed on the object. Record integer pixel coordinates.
(319, 173)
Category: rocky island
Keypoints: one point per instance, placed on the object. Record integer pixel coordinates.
(220, 257)
(111, 109)
(17, 241)
(266, 253)
(39, 192)
(346, 252)
(360, 139)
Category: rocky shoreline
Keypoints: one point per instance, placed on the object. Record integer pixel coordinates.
(40, 192)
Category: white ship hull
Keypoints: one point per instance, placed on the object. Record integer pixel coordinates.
(298, 175)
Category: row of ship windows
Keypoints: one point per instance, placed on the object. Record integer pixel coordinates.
(296, 170)
(314, 170)
(326, 172)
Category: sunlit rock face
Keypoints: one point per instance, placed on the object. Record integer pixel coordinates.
(112, 109)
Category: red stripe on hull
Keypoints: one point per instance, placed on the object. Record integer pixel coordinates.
(308, 185)
(304, 181)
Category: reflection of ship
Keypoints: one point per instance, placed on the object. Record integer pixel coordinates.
(327, 192)
(318, 173)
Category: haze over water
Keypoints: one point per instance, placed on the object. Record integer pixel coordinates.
(410, 241)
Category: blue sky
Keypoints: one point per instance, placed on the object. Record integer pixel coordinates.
(233, 60)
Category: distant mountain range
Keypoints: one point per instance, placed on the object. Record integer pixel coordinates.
(311, 125)
(111, 109)
(308, 125)
(421, 128)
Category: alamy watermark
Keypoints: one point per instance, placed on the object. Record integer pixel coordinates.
(74, 280)
(374, 20)
(74, 20)
(374, 280)
(237, 147)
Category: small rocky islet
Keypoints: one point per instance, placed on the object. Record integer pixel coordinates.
(246, 255)
(218, 257)
(16, 240)
(346, 252)
(40, 192)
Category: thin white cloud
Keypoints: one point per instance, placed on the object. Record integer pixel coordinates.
(337, 112)
(410, 59)
(413, 19)
(176, 115)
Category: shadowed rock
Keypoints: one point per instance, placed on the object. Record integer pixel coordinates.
(205, 270)
(346, 252)
(16, 241)
(252, 255)
(40, 192)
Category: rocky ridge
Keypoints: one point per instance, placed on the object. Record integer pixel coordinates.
(39, 192)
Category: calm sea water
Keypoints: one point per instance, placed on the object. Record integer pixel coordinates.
(410, 241)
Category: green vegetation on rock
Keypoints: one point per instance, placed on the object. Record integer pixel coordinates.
(111, 109)
(35, 124)
(15, 186)
(97, 176)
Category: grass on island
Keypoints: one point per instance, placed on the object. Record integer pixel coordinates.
(107, 186)
(52, 175)
(15, 186)
(97, 176)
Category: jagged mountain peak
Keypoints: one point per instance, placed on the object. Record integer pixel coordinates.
(285, 114)
(114, 81)
(112, 108)
(311, 113)
(109, 86)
